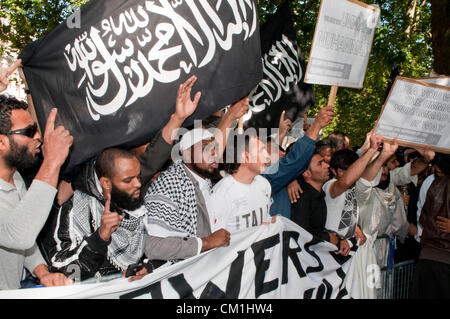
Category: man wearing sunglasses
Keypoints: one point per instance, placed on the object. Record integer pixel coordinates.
(23, 212)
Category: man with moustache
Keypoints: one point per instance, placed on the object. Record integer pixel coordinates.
(382, 211)
(23, 212)
(310, 210)
(177, 203)
(99, 231)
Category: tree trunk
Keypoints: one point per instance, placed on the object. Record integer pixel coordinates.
(440, 29)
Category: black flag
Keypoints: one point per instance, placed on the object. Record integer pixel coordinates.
(282, 86)
(113, 69)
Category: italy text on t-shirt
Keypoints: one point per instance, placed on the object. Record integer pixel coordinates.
(236, 206)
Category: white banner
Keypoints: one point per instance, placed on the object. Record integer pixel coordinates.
(418, 113)
(279, 260)
(342, 43)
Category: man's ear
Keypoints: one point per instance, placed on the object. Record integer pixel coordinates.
(4, 143)
(245, 157)
(106, 184)
(306, 174)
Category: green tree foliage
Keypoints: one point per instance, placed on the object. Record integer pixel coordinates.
(402, 40)
(22, 21)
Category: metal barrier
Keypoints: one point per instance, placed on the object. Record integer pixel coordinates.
(397, 281)
(396, 278)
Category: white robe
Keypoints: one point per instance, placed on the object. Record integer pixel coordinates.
(382, 212)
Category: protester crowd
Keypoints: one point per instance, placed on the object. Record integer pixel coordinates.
(129, 212)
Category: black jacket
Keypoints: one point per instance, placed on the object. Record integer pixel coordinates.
(84, 259)
(310, 212)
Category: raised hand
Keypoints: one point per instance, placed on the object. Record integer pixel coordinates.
(110, 221)
(427, 153)
(366, 144)
(5, 73)
(285, 125)
(389, 149)
(375, 141)
(185, 106)
(325, 116)
(57, 141)
(239, 108)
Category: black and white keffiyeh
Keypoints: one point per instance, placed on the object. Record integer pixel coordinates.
(127, 241)
(171, 202)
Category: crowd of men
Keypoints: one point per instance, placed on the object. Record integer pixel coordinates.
(129, 212)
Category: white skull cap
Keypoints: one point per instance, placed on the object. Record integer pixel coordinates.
(193, 137)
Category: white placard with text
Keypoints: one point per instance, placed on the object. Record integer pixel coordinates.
(418, 113)
(342, 43)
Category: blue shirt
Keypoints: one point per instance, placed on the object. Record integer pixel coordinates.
(289, 168)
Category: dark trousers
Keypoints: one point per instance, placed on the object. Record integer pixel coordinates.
(431, 280)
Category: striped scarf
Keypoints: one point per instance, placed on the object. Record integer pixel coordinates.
(171, 202)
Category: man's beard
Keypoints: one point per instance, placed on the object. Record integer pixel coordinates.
(125, 201)
(19, 157)
(214, 175)
(383, 185)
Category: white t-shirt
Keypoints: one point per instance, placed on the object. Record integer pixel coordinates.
(342, 211)
(236, 206)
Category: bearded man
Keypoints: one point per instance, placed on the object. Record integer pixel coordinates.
(23, 212)
(99, 231)
(178, 201)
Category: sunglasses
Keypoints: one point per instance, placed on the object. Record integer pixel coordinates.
(28, 131)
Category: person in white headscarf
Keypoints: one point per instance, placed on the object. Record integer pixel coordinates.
(382, 213)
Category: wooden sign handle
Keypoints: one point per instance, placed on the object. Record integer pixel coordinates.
(332, 97)
(241, 125)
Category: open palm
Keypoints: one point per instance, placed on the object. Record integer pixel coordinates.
(5, 73)
(185, 106)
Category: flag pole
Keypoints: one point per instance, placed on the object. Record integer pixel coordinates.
(241, 125)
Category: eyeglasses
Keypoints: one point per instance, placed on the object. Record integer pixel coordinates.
(28, 131)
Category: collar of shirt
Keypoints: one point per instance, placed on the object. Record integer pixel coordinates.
(314, 192)
(7, 187)
(203, 183)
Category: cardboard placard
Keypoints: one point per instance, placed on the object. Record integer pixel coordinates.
(443, 80)
(342, 43)
(418, 113)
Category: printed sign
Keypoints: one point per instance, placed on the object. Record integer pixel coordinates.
(418, 113)
(342, 43)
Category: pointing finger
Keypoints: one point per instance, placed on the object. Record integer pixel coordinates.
(107, 195)
(50, 125)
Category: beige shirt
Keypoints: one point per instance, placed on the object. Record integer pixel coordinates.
(22, 215)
